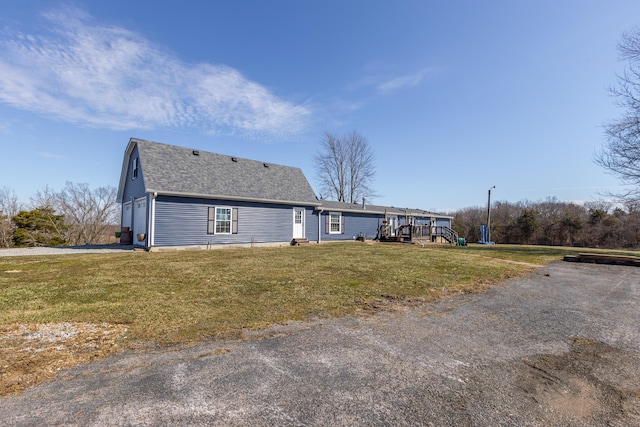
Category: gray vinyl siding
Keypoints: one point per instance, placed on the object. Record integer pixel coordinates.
(311, 225)
(183, 221)
(444, 222)
(422, 221)
(134, 188)
(354, 224)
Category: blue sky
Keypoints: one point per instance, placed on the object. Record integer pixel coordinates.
(454, 96)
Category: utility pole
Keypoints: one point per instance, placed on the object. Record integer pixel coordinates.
(489, 216)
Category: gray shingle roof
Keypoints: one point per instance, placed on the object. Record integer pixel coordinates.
(378, 209)
(169, 169)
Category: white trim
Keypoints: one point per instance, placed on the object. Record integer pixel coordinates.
(144, 243)
(135, 168)
(339, 223)
(319, 225)
(303, 224)
(152, 224)
(122, 215)
(232, 198)
(125, 168)
(215, 220)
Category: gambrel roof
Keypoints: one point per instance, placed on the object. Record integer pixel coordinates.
(179, 171)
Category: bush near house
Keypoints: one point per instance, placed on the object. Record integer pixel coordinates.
(39, 227)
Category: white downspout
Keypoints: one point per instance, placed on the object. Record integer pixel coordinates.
(320, 225)
(152, 223)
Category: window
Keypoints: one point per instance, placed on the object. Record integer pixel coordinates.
(335, 223)
(134, 173)
(298, 218)
(222, 221)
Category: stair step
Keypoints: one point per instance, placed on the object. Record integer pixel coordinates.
(298, 241)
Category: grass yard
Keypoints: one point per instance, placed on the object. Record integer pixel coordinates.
(107, 302)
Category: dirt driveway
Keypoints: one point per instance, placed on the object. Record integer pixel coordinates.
(559, 347)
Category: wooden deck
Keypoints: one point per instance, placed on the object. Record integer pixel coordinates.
(417, 232)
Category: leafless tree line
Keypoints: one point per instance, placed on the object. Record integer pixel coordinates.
(620, 154)
(552, 222)
(87, 213)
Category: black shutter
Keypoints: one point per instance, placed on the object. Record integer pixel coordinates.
(211, 221)
(234, 221)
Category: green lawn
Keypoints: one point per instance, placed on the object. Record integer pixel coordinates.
(183, 296)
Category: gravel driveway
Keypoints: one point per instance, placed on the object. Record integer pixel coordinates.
(65, 250)
(560, 347)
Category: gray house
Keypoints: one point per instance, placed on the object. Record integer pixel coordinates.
(175, 197)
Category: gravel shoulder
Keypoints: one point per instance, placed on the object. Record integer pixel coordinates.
(560, 347)
(65, 250)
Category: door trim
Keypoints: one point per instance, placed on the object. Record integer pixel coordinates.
(302, 225)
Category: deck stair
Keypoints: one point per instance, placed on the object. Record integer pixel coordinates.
(416, 232)
(447, 233)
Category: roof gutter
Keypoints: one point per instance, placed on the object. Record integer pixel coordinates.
(235, 198)
(386, 211)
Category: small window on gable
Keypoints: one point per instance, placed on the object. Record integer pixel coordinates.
(222, 221)
(134, 173)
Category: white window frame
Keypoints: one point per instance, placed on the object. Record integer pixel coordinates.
(222, 226)
(214, 221)
(332, 216)
(135, 167)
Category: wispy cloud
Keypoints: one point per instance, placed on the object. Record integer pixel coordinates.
(386, 83)
(5, 127)
(93, 74)
(50, 155)
(403, 82)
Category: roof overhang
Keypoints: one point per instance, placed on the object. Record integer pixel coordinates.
(125, 168)
(382, 210)
(233, 198)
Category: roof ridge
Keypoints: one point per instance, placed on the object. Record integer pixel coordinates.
(231, 156)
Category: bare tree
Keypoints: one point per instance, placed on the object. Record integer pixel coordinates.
(620, 155)
(345, 167)
(88, 212)
(9, 207)
(45, 198)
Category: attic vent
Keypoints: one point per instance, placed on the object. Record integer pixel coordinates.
(234, 159)
(196, 153)
(266, 165)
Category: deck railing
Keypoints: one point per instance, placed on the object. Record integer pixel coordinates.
(419, 232)
(428, 231)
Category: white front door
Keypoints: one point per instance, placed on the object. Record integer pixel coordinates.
(298, 223)
(139, 220)
(126, 215)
